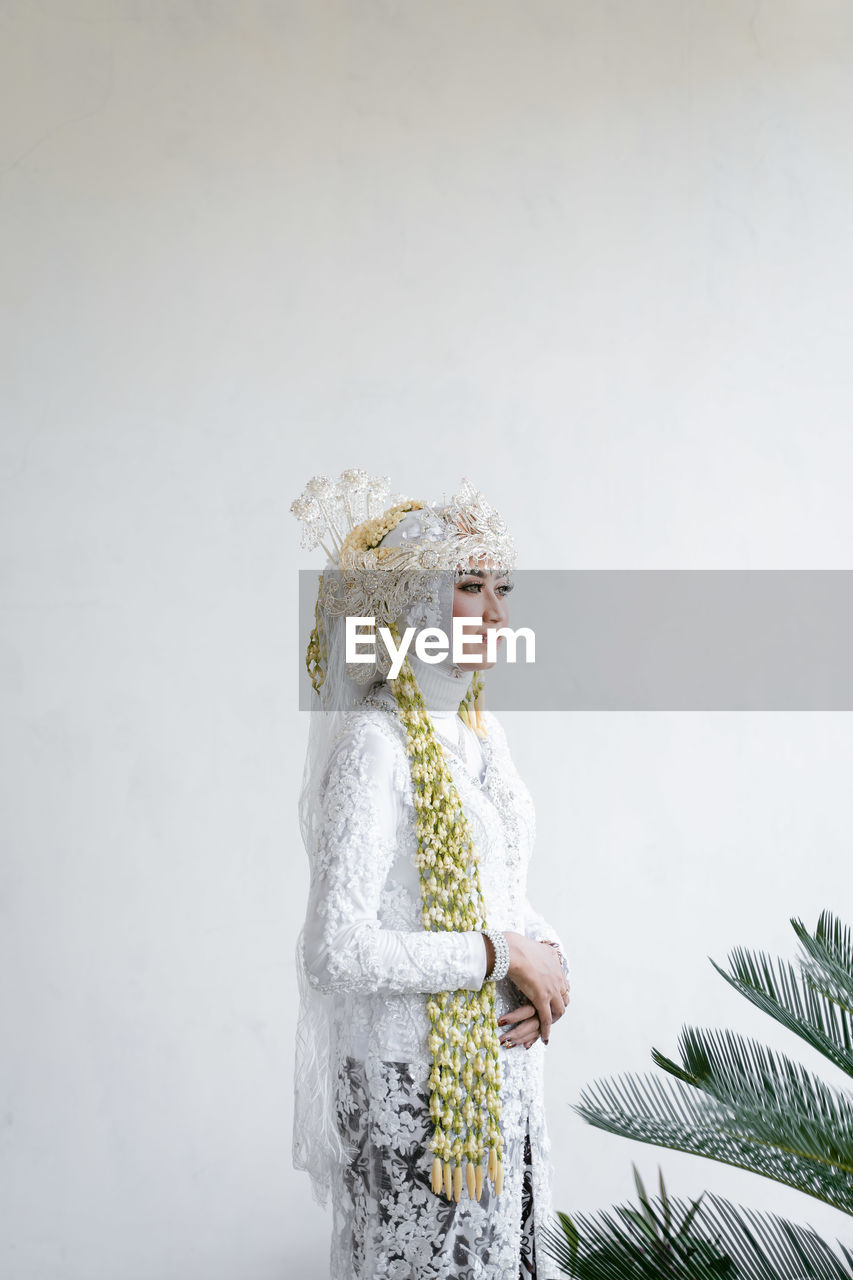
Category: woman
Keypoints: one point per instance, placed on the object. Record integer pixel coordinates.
(427, 995)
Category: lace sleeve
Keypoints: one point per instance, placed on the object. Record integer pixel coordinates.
(344, 946)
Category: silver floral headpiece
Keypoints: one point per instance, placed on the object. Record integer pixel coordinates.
(351, 517)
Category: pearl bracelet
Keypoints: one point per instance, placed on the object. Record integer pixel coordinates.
(501, 966)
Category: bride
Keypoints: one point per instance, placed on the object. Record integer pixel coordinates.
(426, 993)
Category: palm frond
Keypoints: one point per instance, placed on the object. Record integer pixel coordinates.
(828, 966)
(682, 1117)
(836, 938)
(725, 1241)
(779, 990)
(738, 1102)
(777, 1098)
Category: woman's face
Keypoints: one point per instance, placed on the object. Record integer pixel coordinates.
(479, 593)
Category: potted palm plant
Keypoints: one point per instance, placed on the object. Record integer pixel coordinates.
(738, 1102)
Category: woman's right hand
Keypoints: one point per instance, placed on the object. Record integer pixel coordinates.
(536, 971)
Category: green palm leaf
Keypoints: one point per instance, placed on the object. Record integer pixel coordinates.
(779, 990)
(675, 1115)
(828, 966)
(724, 1240)
(776, 1098)
(831, 935)
(733, 1100)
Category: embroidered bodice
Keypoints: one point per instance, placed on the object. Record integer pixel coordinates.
(364, 936)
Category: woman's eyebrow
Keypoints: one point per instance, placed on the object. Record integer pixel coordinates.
(479, 573)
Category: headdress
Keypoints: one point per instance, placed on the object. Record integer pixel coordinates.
(372, 574)
(395, 559)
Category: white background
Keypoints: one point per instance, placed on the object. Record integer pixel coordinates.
(593, 255)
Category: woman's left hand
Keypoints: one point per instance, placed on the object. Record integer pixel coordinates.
(520, 1026)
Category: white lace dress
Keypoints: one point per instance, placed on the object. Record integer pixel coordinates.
(365, 945)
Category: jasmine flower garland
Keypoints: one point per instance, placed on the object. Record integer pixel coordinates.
(464, 1042)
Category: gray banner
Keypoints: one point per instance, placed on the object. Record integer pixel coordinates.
(667, 640)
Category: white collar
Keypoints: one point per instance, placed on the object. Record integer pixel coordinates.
(442, 685)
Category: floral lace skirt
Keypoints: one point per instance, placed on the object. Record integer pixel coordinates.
(387, 1222)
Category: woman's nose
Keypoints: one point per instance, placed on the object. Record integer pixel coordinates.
(494, 609)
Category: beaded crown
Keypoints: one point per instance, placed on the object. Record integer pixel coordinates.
(354, 514)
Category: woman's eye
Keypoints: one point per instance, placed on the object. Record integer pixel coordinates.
(504, 587)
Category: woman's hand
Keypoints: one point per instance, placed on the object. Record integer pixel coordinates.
(520, 1026)
(536, 970)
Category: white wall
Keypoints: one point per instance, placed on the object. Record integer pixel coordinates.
(594, 256)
